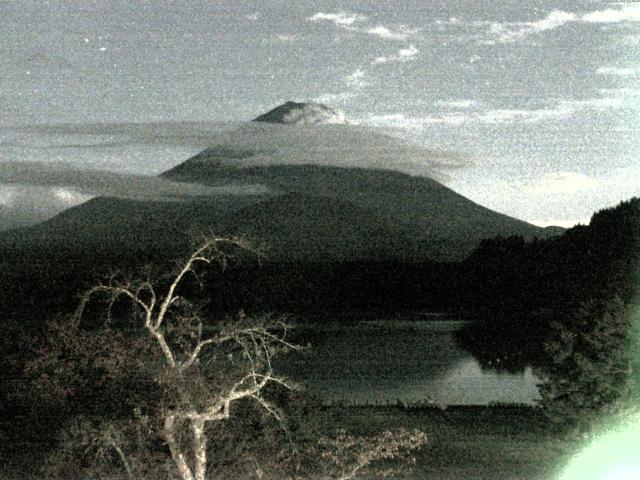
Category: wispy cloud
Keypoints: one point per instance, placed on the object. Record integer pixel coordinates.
(628, 13)
(623, 71)
(403, 55)
(398, 32)
(508, 32)
(355, 82)
(330, 98)
(341, 19)
(94, 182)
(560, 109)
(357, 79)
(561, 182)
(353, 22)
(32, 192)
(459, 104)
(286, 37)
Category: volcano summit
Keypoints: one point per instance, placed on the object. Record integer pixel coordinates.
(306, 184)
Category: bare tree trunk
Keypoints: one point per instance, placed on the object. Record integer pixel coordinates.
(200, 448)
(177, 455)
(123, 458)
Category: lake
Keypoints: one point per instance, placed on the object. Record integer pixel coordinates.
(412, 361)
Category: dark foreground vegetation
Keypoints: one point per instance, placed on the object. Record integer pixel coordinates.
(89, 396)
(484, 443)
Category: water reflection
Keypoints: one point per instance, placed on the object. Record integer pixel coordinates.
(412, 362)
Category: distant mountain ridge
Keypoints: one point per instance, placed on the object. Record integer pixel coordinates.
(320, 203)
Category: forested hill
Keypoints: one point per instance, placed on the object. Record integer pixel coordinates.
(588, 261)
(521, 292)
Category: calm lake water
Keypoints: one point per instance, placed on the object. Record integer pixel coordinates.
(417, 361)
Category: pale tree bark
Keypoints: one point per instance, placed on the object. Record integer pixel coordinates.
(255, 339)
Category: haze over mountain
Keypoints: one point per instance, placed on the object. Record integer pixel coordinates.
(317, 190)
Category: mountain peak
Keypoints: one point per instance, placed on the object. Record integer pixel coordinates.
(302, 112)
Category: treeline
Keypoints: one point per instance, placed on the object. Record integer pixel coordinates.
(510, 276)
(505, 280)
(568, 306)
(516, 289)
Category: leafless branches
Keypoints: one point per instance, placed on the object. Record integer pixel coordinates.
(257, 339)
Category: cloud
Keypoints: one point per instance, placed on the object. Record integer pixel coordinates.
(403, 55)
(461, 104)
(284, 37)
(628, 13)
(508, 32)
(562, 109)
(356, 79)
(31, 192)
(562, 182)
(623, 71)
(350, 21)
(354, 82)
(68, 183)
(335, 97)
(398, 33)
(23, 205)
(523, 115)
(341, 19)
(330, 145)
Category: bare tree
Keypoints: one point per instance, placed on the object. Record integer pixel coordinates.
(348, 457)
(199, 367)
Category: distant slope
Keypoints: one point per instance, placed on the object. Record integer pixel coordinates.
(119, 226)
(330, 191)
(421, 210)
(299, 226)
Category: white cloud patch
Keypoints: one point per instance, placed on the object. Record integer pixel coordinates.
(70, 197)
(403, 55)
(523, 115)
(562, 182)
(353, 21)
(508, 32)
(341, 19)
(286, 37)
(357, 79)
(562, 109)
(355, 82)
(398, 32)
(74, 185)
(602, 103)
(628, 13)
(23, 205)
(335, 97)
(622, 71)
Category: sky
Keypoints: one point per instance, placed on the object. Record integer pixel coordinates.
(540, 97)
